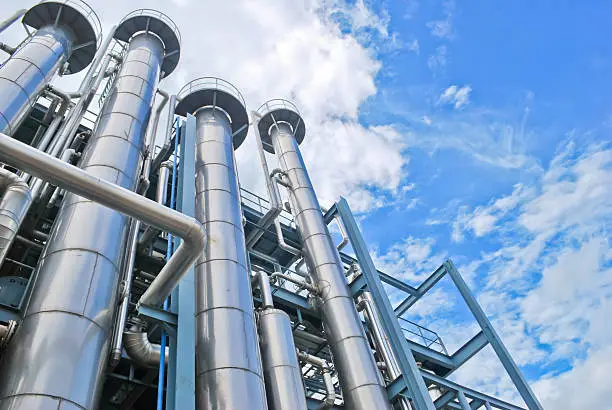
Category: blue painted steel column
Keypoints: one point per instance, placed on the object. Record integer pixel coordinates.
(169, 251)
(181, 371)
(410, 372)
(494, 339)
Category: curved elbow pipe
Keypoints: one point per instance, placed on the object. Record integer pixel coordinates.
(73, 179)
(141, 350)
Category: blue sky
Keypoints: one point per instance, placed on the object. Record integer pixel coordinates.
(478, 131)
(505, 124)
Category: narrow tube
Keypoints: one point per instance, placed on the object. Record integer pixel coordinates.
(382, 344)
(325, 367)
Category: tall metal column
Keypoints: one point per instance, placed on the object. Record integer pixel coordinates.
(282, 129)
(59, 354)
(228, 364)
(68, 32)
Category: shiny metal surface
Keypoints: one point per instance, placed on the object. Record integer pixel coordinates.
(141, 350)
(229, 374)
(26, 73)
(282, 372)
(382, 343)
(362, 384)
(71, 308)
(15, 200)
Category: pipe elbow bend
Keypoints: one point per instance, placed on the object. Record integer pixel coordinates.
(141, 350)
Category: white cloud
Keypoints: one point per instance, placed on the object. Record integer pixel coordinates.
(456, 96)
(443, 29)
(556, 257)
(437, 61)
(293, 50)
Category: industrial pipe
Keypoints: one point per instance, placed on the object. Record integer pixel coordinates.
(141, 350)
(326, 370)
(6, 333)
(166, 146)
(282, 372)
(345, 238)
(14, 204)
(362, 384)
(300, 283)
(281, 239)
(129, 261)
(13, 18)
(366, 303)
(120, 199)
(275, 204)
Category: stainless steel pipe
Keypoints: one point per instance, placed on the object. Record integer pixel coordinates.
(141, 350)
(77, 276)
(282, 372)
(28, 71)
(229, 373)
(382, 343)
(322, 364)
(362, 384)
(14, 204)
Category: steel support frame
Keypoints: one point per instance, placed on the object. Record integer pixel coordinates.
(410, 375)
(493, 338)
(181, 369)
(371, 279)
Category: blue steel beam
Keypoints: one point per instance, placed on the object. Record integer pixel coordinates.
(496, 343)
(181, 376)
(431, 355)
(421, 290)
(445, 399)
(442, 382)
(465, 405)
(410, 375)
(468, 350)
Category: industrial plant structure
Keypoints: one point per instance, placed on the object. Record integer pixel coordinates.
(136, 272)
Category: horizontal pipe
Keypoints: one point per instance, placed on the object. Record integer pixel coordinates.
(73, 179)
(141, 350)
(305, 285)
(6, 332)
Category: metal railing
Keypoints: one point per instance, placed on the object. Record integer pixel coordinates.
(421, 335)
(87, 12)
(277, 104)
(210, 83)
(262, 205)
(156, 14)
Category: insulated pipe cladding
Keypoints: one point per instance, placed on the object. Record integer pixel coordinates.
(58, 356)
(229, 373)
(282, 129)
(67, 33)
